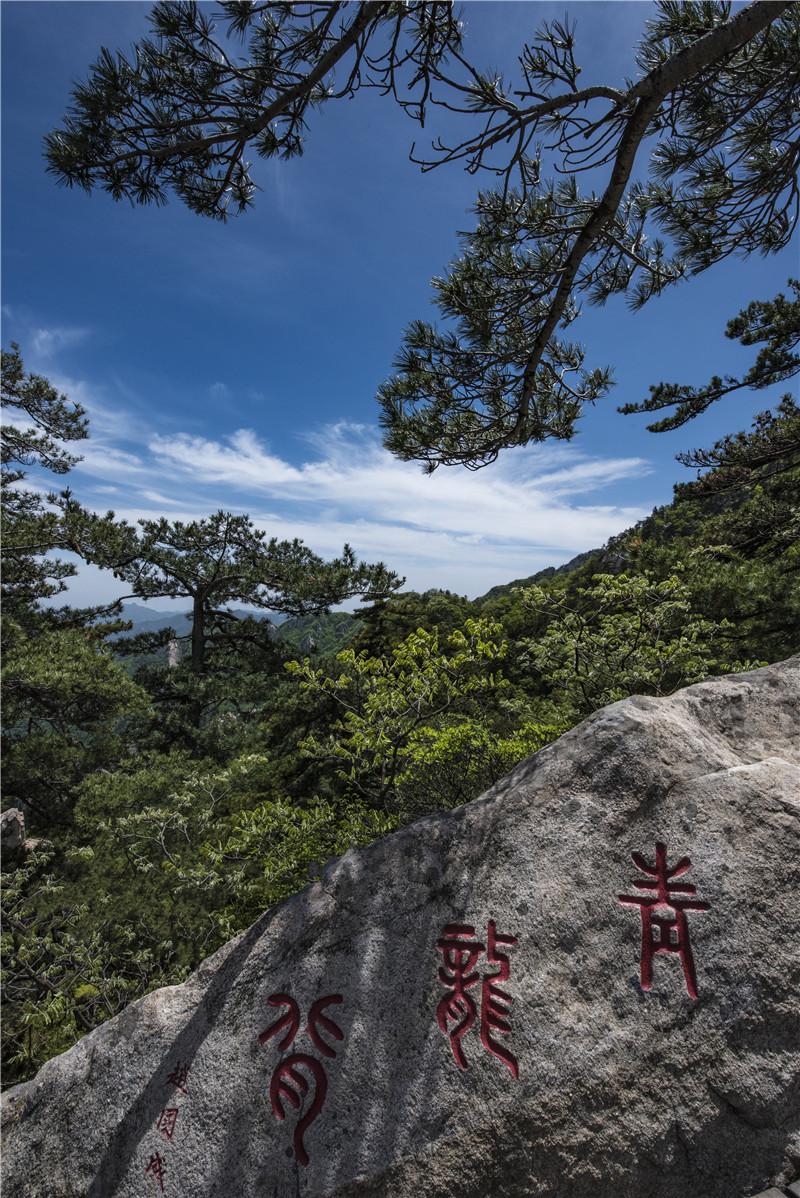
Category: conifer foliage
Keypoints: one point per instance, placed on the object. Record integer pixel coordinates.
(714, 106)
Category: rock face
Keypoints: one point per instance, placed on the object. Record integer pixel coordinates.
(12, 828)
(459, 1011)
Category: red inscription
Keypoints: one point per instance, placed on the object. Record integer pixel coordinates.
(179, 1077)
(165, 1123)
(288, 1083)
(664, 925)
(461, 953)
(290, 1021)
(157, 1168)
(317, 1023)
(495, 1002)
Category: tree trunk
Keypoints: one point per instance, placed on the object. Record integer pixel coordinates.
(198, 633)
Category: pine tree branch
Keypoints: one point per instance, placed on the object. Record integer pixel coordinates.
(650, 93)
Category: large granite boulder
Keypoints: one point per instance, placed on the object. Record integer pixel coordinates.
(585, 984)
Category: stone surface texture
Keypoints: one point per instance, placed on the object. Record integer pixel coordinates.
(12, 828)
(621, 1093)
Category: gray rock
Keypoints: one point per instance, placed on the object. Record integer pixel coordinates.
(12, 828)
(621, 1092)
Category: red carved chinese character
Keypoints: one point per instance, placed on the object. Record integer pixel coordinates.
(290, 1020)
(495, 1002)
(179, 1077)
(165, 1123)
(284, 1080)
(287, 1081)
(461, 953)
(157, 1167)
(664, 925)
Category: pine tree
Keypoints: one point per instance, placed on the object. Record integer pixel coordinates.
(772, 324)
(63, 691)
(223, 559)
(715, 102)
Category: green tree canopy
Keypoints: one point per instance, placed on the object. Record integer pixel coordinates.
(625, 634)
(37, 421)
(383, 702)
(224, 558)
(61, 685)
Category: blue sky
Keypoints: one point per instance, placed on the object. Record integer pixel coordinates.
(236, 366)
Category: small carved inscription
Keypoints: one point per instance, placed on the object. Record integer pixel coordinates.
(179, 1077)
(665, 928)
(289, 1083)
(165, 1123)
(157, 1169)
(458, 974)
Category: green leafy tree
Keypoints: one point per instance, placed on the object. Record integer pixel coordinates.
(64, 695)
(224, 845)
(743, 511)
(59, 979)
(384, 702)
(743, 505)
(66, 703)
(625, 634)
(193, 852)
(388, 621)
(40, 420)
(446, 766)
(753, 480)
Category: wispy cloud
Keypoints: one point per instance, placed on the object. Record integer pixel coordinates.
(530, 497)
(453, 529)
(111, 418)
(46, 342)
(461, 530)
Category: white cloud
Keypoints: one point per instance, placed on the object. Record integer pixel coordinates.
(158, 499)
(455, 529)
(46, 342)
(101, 460)
(109, 420)
(529, 497)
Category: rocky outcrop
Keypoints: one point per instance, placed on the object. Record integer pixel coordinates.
(12, 829)
(585, 984)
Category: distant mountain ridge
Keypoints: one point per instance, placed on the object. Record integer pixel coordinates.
(324, 634)
(548, 572)
(149, 619)
(327, 633)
